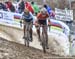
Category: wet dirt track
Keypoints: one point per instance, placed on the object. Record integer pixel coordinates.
(10, 50)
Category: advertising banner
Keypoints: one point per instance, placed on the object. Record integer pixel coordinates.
(10, 18)
(64, 15)
(58, 29)
(13, 19)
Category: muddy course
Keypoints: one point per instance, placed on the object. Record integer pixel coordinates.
(11, 50)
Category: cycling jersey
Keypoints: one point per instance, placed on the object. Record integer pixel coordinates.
(40, 16)
(27, 18)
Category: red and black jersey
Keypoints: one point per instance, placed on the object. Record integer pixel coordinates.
(40, 16)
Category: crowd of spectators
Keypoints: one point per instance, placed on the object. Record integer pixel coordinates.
(18, 8)
(21, 5)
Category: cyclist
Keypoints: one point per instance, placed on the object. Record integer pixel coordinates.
(27, 17)
(42, 20)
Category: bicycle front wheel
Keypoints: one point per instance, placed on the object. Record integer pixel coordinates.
(44, 42)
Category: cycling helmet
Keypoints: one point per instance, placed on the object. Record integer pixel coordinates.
(43, 11)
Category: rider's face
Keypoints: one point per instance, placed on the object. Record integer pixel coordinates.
(43, 13)
(26, 13)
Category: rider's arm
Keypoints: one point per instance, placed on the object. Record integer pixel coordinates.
(22, 17)
(47, 15)
(32, 15)
(38, 16)
(48, 19)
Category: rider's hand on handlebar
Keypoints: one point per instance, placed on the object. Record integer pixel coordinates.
(21, 23)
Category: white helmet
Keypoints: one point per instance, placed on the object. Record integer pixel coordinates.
(43, 11)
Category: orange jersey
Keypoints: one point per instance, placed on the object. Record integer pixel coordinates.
(42, 17)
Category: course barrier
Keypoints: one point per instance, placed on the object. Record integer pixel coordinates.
(58, 30)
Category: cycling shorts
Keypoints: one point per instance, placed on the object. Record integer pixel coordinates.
(42, 22)
(28, 23)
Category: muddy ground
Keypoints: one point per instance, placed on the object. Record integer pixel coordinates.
(11, 50)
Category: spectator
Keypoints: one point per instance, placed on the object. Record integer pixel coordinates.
(10, 6)
(21, 6)
(49, 10)
(2, 6)
(29, 7)
(35, 7)
(17, 0)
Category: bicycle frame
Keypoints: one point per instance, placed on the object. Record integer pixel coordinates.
(27, 33)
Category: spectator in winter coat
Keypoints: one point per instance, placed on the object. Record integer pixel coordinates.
(49, 10)
(21, 6)
(10, 6)
(35, 7)
(2, 6)
(29, 7)
(17, 0)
